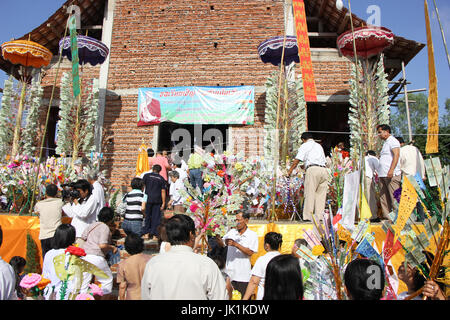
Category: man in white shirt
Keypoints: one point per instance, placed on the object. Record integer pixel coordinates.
(82, 210)
(371, 167)
(176, 200)
(97, 192)
(7, 278)
(181, 274)
(316, 176)
(411, 160)
(412, 163)
(389, 173)
(242, 243)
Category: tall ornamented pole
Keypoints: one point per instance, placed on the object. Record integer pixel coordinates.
(76, 85)
(433, 112)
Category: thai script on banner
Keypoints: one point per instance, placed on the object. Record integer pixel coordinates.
(196, 105)
(304, 52)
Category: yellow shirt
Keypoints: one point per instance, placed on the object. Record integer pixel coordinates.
(195, 161)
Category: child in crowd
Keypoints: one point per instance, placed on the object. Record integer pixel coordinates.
(220, 261)
(163, 242)
(135, 201)
(364, 280)
(130, 270)
(18, 264)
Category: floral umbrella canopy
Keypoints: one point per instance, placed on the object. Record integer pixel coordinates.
(90, 50)
(26, 54)
(369, 41)
(271, 50)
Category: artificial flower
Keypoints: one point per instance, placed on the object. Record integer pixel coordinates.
(43, 283)
(30, 280)
(236, 295)
(75, 251)
(84, 296)
(96, 290)
(193, 207)
(318, 250)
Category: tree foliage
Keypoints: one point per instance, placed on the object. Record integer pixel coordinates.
(418, 110)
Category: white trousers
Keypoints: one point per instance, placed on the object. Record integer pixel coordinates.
(99, 262)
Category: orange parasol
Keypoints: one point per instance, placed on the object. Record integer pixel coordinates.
(27, 54)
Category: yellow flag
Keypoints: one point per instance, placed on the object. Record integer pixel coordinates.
(142, 160)
(433, 108)
(408, 201)
(365, 209)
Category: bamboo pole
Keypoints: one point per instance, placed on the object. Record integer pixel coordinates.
(442, 32)
(46, 124)
(15, 146)
(407, 103)
(277, 139)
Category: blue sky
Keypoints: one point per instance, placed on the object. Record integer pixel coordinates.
(404, 17)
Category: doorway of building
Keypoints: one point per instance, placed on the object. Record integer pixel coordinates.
(328, 120)
(180, 139)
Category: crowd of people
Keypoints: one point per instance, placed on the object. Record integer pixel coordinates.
(180, 270)
(384, 170)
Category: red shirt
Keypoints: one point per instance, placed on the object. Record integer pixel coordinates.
(162, 161)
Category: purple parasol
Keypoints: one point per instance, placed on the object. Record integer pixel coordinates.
(271, 50)
(90, 50)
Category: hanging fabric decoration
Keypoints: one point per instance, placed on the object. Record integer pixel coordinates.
(433, 108)
(75, 61)
(309, 86)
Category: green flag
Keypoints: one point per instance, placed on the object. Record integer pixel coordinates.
(75, 60)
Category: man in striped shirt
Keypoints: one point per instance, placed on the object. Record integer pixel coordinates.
(136, 201)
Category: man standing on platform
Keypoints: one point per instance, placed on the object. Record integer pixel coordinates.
(389, 173)
(412, 163)
(371, 169)
(316, 176)
(155, 189)
(195, 163)
(411, 160)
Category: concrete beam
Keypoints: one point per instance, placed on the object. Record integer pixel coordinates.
(108, 20)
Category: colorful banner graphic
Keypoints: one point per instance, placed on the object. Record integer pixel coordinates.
(433, 108)
(309, 87)
(196, 105)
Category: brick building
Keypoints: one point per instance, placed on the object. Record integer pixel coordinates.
(199, 43)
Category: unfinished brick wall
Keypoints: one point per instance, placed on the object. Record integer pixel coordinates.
(183, 43)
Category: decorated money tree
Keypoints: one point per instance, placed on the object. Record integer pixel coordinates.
(227, 178)
(292, 120)
(368, 106)
(31, 104)
(76, 124)
(425, 248)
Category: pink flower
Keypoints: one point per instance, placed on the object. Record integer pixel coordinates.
(84, 296)
(96, 290)
(21, 182)
(206, 185)
(193, 207)
(30, 280)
